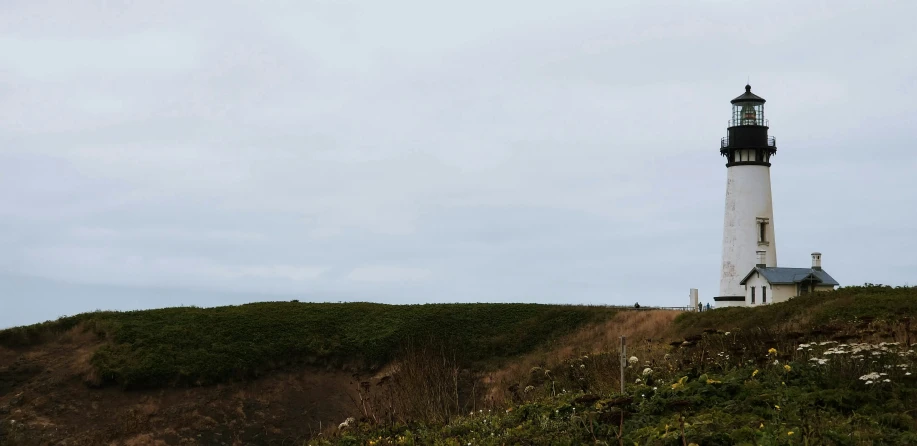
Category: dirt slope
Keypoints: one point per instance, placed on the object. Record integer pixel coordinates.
(44, 399)
(47, 394)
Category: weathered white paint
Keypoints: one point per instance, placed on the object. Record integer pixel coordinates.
(816, 260)
(757, 281)
(748, 198)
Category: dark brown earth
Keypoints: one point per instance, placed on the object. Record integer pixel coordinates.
(45, 399)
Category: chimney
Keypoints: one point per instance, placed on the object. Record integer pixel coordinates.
(762, 259)
(816, 261)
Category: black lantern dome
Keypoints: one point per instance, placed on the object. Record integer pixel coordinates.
(747, 142)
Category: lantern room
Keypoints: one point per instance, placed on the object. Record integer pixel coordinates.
(748, 109)
(747, 142)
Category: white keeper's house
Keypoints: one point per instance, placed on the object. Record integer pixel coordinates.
(750, 275)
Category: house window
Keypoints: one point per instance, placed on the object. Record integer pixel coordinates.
(763, 294)
(752, 294)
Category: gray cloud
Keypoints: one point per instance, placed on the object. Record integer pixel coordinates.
(214, 153)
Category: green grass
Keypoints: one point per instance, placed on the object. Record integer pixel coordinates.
(844, 305)
(197, 346)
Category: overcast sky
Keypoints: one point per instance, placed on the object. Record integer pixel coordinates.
(159, 153)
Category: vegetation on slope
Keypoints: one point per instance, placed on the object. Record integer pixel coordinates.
(189, 345)
(845, 305)
(825, 394)
(835, 369)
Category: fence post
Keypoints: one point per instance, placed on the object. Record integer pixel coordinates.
(623, 360)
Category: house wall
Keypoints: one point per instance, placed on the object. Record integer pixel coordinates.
(748, 196)
(775, 293)
(783, 293)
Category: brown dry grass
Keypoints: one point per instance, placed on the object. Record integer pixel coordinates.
(643, 329)
(143, 440)
(56, 403)
(7, 355)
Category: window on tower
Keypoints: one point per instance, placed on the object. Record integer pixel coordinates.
(762, 231)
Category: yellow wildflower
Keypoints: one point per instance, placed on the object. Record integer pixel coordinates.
(790, 433)
(713, 381)
(754, 373)
(681, 383)
(772, 351)
(787, 367)
(776, 407)
(761, 426)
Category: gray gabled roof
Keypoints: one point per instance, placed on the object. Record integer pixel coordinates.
(780, 276)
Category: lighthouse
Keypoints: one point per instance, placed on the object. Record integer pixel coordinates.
(748, 226)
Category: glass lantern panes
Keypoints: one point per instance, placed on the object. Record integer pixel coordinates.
(748, 113)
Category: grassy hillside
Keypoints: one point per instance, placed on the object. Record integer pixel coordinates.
(180, 346)
(830, 369)
(845, 305)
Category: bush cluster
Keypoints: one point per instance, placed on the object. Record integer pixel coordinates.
(199, 346)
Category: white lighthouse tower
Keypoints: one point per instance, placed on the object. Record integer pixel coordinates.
(748, 227)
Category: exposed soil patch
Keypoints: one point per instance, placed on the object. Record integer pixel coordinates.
(45, 399)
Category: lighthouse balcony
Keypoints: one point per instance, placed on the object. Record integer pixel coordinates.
(771, 142)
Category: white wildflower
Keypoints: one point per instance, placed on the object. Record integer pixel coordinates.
(347, 423)
(647, 371)
(632, 360)
(886, 380)
(638, 381)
